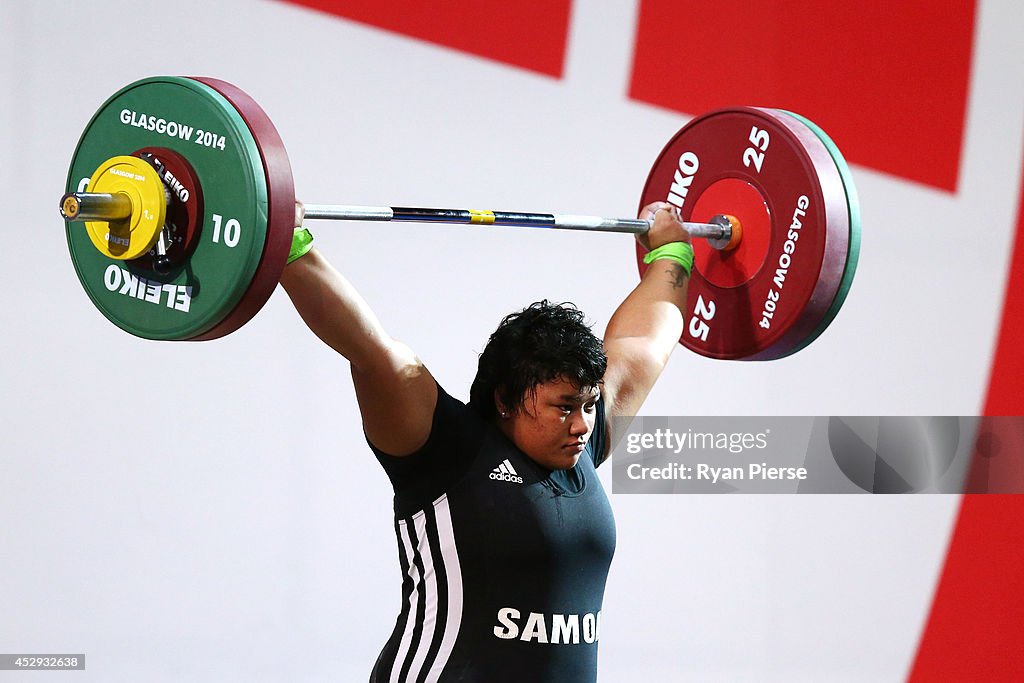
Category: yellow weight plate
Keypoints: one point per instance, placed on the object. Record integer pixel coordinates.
(134, 236)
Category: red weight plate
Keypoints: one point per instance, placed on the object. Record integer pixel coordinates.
(280, 212)
(185, 210)
(763, 302)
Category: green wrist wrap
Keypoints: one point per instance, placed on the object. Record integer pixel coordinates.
(302, 242)
(680, 252)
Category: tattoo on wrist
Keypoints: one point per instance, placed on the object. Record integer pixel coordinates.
(679, 276)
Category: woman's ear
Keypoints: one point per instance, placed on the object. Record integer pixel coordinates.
(499, 405)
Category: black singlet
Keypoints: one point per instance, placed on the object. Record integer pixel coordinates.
(503, 562)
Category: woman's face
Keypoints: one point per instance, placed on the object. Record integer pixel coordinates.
(553, 423)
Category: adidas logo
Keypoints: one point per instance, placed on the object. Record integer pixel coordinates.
(505, 472)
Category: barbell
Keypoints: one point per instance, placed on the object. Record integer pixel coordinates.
(186, 195)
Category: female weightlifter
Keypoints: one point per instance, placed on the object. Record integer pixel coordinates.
(505, 534)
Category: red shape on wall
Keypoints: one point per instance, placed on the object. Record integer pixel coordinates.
(888, 81)
(976, 625)
(531, 34)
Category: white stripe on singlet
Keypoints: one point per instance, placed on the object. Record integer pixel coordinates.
(449, 561)
(453, 572)
(429, 595)
(410, 622)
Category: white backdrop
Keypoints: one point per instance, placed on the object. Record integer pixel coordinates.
(210, 511)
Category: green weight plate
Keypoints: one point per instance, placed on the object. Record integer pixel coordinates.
(195, 121)
(853, 255)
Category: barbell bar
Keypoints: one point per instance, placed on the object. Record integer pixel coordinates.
(767, 185)
(90, 206)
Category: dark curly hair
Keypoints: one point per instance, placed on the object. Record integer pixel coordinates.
(538, 344)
